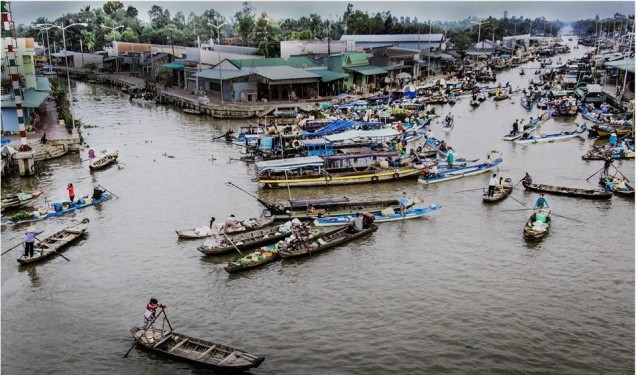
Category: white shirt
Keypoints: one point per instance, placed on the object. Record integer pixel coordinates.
(493, 182)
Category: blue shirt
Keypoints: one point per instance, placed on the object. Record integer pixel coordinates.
(30, 236)
(541, 202)
(403, 202)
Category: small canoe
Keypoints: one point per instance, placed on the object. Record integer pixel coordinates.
(447, 126)
(411, 213)
(327, 241)
(53, 244)
(194, 350)
(499, 194)
(268, 254)
(244, 241)
(22, 217)
(627, 191)
(244, 226)
(104, 161)
(455, 173)
(20, 199)
(538, 226)
(567, 191)
(552, 137)
(191, 111)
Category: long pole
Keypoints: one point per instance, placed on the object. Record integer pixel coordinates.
(48, 48)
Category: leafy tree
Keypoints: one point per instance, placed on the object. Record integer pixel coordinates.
(130, 36)
(89, 40)
(245, 22)
(158, 16)
(132, 12)
(112, 6)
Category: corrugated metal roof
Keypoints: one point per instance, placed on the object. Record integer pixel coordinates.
(32, 99)
(218, 74)
(368, 70)
(626, 64)
(42, 84)
(255, 63)
(281, 163)
(277, 73)
(394, 38)
(326, 74)
(300, 62)
(357, 59)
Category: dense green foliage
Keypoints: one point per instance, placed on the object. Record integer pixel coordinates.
(247, 28)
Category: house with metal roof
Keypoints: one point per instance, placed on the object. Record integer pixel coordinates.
(488, 48)
(415, 41)
(362, 74)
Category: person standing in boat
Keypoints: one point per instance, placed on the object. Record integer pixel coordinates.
(450, 159)
(541, 202)
(215, 238)
(403, 203)
(150, 314)
(515, 127)
(71, 192)
(29, 241)
(606, 165)
(492, 184)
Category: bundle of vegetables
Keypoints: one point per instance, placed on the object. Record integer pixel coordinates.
(22, 216)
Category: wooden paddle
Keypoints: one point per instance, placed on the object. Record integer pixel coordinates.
(513, 198)
(230, 241)
(113, 194)
(587, 179)
(21, 243)
(144, 332)
(565, 217)
(626, 179)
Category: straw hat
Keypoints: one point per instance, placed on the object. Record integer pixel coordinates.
(31, 228)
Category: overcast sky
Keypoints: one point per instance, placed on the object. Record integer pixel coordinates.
(449, 10)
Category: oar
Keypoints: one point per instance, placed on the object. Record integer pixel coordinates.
(620, 173)
(565, 217)
(230, 241)
(60, 254)
(21, 243)
(587, 179)
(166, 316)
(108, 191)
(463, 191)
(514, 199)
(518, 209)
(144, 332)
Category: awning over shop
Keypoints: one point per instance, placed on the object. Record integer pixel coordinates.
(173, 65)
(42, 84)
(328, 75)
(32, 99)
(368, 70)
(625, 65)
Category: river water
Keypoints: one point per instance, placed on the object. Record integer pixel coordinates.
(456, 292)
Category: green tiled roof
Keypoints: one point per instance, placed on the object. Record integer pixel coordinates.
(300, 62)
(355, 59)
(626, 64)
(257, 63)
(368, 70)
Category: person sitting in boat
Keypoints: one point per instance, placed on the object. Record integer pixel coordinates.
(230, 224)
(357, 224)
(43, 139)
(443, 147)
(525, 135)
(541, 202)
(97, 192)
(150, 314)
(367, 220)
(527, 179)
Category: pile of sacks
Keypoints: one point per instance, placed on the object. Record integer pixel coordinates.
(287, 227)
(250, 223)
(202, 231)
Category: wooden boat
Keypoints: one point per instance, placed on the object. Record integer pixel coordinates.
(309, 171)
(20, 199)
(144, 100)
(499, 194)
(249, 240)
(191, 111)
(448, 125)
(329, 240)
(552, 137)
(65, 208)
(411, 213)
(607, 183)
(502, 96)
(538, 226)
(244, 226)
(268, 254)
(191, 349)
(104, 161)
(606, 130)
(326, 207)
(53, 244)
(455, 173)
(567, 191)
(615, 153)
(526, 104)
(526, 129)
(474, 103)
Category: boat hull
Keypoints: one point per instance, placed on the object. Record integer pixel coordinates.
(570, 192)
(343, 178)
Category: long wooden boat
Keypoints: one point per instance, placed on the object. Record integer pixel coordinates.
(567, 191)
(20, 199)
(327, 241)
(270, 253)
(23, 217)
(605, 130)
(526, 104)
(628, 191)
(455, 173)
(244, 226)
(249, 240)
(53, 244)
(104, 161)
(538, 225)
(615, 153)
(499, 194)
(411, 213)
(552, 137)
(191, 349)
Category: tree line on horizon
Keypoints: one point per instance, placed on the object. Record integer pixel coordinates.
(246, 28)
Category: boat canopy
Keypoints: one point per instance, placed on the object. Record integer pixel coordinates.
(318, 201)
(290, 164)
(353, 134)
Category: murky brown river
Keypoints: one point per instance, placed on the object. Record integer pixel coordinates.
(456, 292)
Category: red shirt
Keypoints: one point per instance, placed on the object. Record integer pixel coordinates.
(71, 191)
